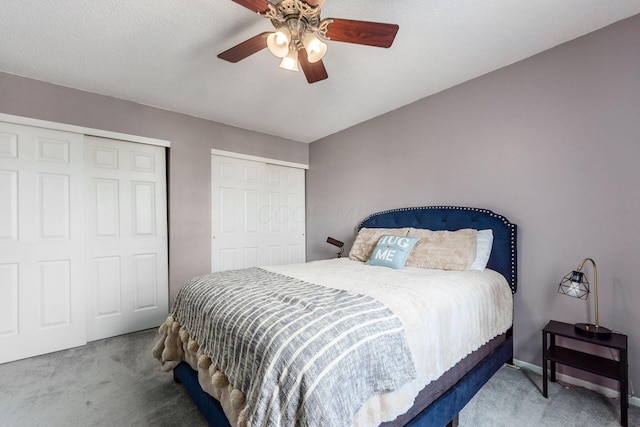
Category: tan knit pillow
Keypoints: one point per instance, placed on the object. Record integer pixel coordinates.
(367, 239)
(443, 250)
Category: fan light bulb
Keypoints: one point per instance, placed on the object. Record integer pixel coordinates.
(278, 42)
(290, 62)
(314, 46)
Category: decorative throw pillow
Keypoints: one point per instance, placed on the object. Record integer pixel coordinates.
(392, 251)
(367, 239)
(484, 243)
(443, 250)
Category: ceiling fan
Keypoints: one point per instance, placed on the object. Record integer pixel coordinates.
(300, 34)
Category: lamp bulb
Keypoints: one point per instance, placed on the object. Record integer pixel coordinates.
(574, 290)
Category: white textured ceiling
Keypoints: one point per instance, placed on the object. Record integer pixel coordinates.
(163, 53)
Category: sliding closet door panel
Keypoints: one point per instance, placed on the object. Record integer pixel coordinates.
(126, 237)
(237, 197)
(286, 189)
(258, 214)
(41, 241)
(9, 291)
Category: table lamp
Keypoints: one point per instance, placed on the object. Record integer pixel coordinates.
(575, 284)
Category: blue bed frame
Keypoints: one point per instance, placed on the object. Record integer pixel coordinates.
(503, 259)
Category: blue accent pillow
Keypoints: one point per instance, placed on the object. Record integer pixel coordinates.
(392, 251)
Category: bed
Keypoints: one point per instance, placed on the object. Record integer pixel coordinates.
(209, 379)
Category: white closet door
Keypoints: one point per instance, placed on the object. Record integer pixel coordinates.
(258, 214)
(127, 255)
(286, 226)
(42, 295)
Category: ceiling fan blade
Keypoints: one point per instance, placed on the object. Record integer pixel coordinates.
(246, 48)
(362, 32)
(313, 71)
(258, 6)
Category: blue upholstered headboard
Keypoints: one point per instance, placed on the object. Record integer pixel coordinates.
(503, 258)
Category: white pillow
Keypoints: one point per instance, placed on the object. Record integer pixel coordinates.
(484, 243)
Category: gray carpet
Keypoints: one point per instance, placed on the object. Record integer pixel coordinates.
(513, 397)
(116, 382)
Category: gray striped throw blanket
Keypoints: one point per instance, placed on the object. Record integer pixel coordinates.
(303, 354)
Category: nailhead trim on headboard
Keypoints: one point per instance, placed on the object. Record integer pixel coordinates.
(511, 227)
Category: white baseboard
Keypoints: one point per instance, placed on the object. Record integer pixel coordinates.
(606, 391)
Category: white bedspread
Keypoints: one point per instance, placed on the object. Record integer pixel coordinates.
(446, 315)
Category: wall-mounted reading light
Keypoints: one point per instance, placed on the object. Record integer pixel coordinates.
(337, 243)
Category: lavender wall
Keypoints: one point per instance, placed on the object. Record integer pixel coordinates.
(552, 142)
(189, 157)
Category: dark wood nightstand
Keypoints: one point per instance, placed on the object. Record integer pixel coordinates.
(615, 369)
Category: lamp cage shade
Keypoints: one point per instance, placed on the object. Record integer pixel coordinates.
(574, 284)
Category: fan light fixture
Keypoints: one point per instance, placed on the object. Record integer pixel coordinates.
(315, 48)
(298, 27)
(290, 62)
(575, 284)
(278, 42)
